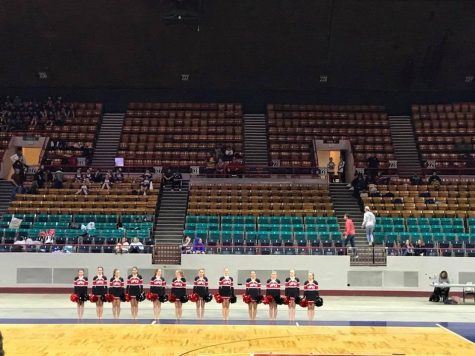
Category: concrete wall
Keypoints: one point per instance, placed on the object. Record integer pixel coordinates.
(21, 270)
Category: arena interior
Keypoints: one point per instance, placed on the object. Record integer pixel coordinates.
(204, 177)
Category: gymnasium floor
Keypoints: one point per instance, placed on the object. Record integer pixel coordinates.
(47, 325)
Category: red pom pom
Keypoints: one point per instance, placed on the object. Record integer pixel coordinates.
(268, 299)
(151, 296)
(218, 298)
(304, 303)
(194, 297)
(172, 298)
(127, 297)
(246, 298)
(74, 298)
(93, 298)
(285, 300)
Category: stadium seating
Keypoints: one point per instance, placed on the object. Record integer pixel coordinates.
(178, 134)
(263, 218)
(446, 135)
(293, 127)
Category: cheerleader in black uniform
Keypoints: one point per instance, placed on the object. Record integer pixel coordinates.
(134, 290)
(292, 289)
(200, 287)
(80, 288)
(253, 289)
(226, 291)
(116, 288)
(179, 291)
(273, 289)
(99, 289)
(310, 292)
(157, 286)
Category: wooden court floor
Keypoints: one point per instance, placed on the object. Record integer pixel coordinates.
(134, 339)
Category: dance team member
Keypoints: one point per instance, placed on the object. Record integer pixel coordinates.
(200, 287)
(80, 289)
(273, 290)
(311, 294)
(253, 290)
(117, 290)
(99, 290)
(134, 291)
(157, 287)
(292, 290)
(178, 291)
(226, 291)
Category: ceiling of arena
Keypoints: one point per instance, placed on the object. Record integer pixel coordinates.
(271, 45)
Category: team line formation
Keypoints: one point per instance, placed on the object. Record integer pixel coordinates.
(117, 290)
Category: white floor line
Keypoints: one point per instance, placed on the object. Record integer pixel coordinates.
(154, 322)
(454, 333)
(297, 324)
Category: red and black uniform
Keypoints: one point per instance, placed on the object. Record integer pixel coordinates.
(80, 287)
(253, 288)
(226, 287)
(200, 286)
(134, 285)
(99, 285)
(310, 291)
(157, 286)
(292, 287)
(117, 287)
(273, 288)
(179, 287)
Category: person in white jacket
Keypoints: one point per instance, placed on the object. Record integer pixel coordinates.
(369, 221)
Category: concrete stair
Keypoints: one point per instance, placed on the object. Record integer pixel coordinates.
(108, 140)
(345, 203)
(171, 215)
(405, 147)
(255, 140)
(6, 192)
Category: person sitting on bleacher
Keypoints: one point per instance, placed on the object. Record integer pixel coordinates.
(107, 182)
(415, 179)
(186, 246)
(229, 154)
(83, 189)
(435, 180)
(58, 178)
(122, 246)
(419, 249)
(408, 249)
(136, 246)
(198, 246)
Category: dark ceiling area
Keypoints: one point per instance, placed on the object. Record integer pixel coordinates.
(390, 52)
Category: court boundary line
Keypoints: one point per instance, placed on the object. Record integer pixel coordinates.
(454, 333)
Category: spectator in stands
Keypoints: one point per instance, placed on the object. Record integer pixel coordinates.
(84, 190)
(118, 175)
(198, 246)
(415, 179)
(380, 179)
(19, 245)
(39, 176)
(145, 185)
(34, 187)
(79, 176)
(331, 170)
(94, 176)
(434, 179)
(136, 246)
(177, 180)
(58, 178)
(349, 234)
(210, 165)
(106, 184)
(419, 249)
(19, 171)
(49, 178)
(219, 152)
(369, 222)
(408, 248)
(19, 189)
(122, 246)
(168, 177)
(373, 190)
(186, 245)
(341, 170)
(147, 175)
(228, 154)
(220, 166)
